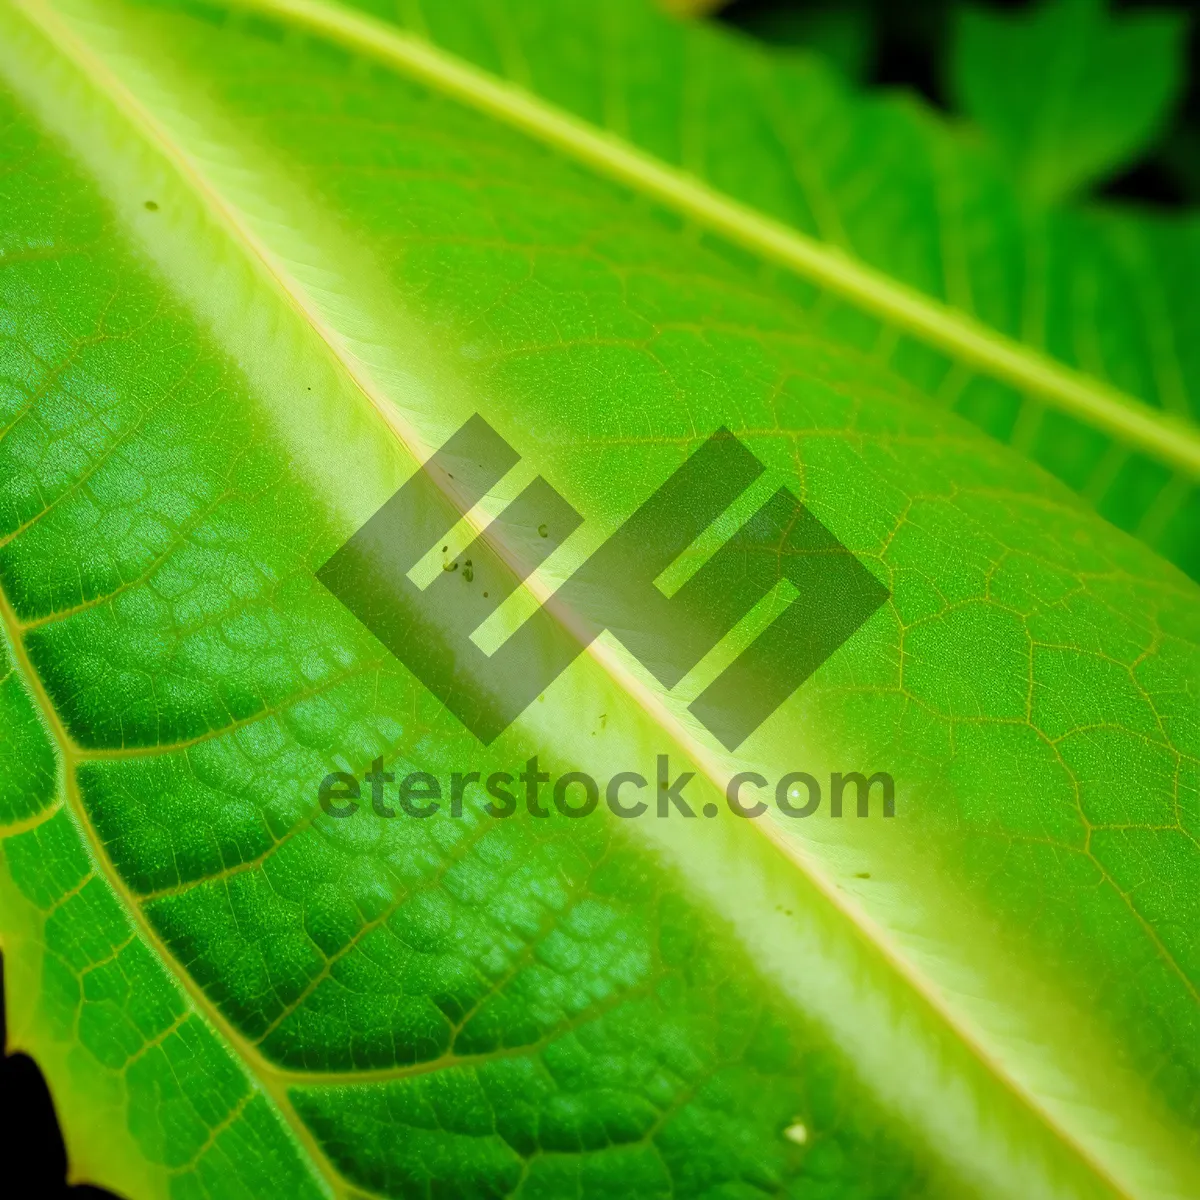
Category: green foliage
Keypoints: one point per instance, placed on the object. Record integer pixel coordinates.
(841, 34)
(1106, 292)
(1068, 92)
(257, 262)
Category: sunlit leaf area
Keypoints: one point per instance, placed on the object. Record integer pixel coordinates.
(599, 598)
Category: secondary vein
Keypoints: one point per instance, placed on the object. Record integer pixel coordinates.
(1122, 416)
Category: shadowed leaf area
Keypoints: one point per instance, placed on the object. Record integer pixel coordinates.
(258, 262)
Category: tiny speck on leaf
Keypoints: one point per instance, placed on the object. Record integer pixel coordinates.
(543, 531)
(863, 875)
(151, 206)
(796, 1132)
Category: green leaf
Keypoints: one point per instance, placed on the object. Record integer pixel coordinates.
(843, 35)
(1068, 92)
(886, 184)
(257, 264)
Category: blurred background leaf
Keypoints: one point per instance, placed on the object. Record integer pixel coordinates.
(1072, 92)
(1067, 92)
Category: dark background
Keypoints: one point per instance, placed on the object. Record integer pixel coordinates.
(905, 47)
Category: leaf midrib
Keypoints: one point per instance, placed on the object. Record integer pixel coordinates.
(274, 1079)
(1168, 438)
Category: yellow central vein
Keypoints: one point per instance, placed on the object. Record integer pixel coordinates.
(94, 69)
(1124, 417)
